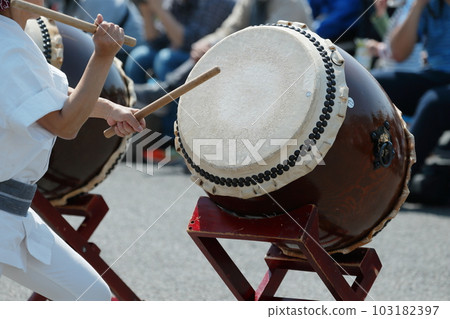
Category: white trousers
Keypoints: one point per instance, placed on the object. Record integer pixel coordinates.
(69, 277)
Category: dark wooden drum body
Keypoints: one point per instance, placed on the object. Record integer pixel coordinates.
(362, 149)
(76, 166)
(353, 197)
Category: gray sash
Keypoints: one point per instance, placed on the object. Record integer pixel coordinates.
(16, 197)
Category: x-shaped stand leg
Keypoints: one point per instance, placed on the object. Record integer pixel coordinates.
(299, 228)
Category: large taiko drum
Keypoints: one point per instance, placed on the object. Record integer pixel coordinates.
(77, 166)
(293, 120)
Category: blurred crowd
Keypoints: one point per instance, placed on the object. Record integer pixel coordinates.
(403, 43)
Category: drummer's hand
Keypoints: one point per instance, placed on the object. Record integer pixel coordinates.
(124, 120)
(108, 38)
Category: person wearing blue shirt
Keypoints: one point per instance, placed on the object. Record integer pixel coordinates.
(172, 27)
(337, 20)
(424, 94)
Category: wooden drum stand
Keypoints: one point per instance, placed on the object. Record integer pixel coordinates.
(301, 229)
(93, 208)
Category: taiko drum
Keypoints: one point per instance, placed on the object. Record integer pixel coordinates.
(294, 120)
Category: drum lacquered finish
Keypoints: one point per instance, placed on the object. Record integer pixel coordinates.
(352, 196)
(356, 191)
(76, 166)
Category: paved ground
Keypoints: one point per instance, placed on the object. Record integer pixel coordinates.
(144, 237)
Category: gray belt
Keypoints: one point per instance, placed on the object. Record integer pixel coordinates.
(16, 197)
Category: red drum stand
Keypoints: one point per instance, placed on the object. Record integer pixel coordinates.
(300, 229)
(93, 208)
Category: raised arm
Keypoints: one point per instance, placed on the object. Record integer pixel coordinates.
(173, 28)
(149, 21)
(404, 37)
(66, 122)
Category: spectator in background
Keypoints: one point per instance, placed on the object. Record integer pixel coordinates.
(337, 20)
(254, 12)
(244, 14)
(424, 93)
(171, 28)
(124, 13)
(384, 26)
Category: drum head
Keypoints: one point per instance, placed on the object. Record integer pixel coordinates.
(256, 116)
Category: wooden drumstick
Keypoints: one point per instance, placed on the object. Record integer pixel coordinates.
(64, 18)
(169, 97)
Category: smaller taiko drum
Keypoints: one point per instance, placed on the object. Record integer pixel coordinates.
(77, 166)
(293, 120)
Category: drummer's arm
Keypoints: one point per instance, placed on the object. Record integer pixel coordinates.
(66, 122)
(404, 37)
(119, 116)
(114, 113)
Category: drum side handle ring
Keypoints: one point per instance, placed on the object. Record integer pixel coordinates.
(383, 148)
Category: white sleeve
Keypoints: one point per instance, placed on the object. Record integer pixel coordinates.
(34, 90)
